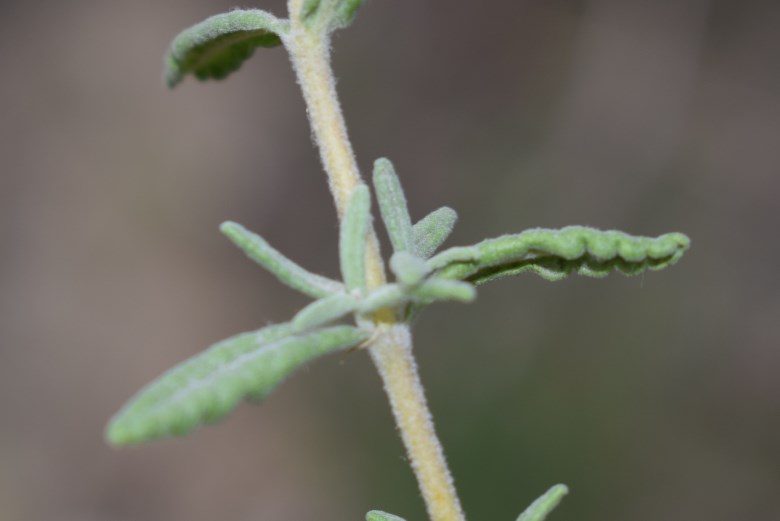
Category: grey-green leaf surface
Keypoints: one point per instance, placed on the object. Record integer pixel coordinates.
(378, 515)
(352, 238)
(285, 270)
(392, 206)
(217, 46)
(554, 254)
(385, 296)
(325, 310)
(409, 270)
(435, 289)
(208, 386)
(329, 15)
(431, 231)
(540, 508)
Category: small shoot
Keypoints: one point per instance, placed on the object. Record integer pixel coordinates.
(539, 509)
(291, 274)
(352, 238)
(249, 366)
(219, 45)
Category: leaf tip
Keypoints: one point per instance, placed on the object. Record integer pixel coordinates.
(378, 515)
(117, 434)
(382, 164)
(546, 503)
(229, 227)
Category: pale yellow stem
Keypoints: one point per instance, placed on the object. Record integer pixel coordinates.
(392, 349)
(392, 355)
(311, 60)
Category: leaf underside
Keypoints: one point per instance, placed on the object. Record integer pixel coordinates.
(555, 254)
(208, 386)
(217, 46)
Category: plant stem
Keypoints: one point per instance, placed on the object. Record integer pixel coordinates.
(311, 60)
(392, 355)
(391, 350)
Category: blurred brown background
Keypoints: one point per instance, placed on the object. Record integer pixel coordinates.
(654, 397)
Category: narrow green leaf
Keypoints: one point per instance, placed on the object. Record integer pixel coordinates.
(329, 15)
(325, 310)
(285, 270)
(352, 238)
(392, 206)
(540, 508)
(554, 254)
(219, 45)
(377, 515)
(387, 296)
(431, 231)
(452, 255)
(208, 386)
(438, 289)
(408, 269)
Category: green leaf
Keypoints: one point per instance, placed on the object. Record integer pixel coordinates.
(325, 310)
(408, 269)
(219, 45)
(540, 508)
(439, 289)
(329, 15)
(377, 515)
(352, 238)
(554, 254)
(285, 270)
(392, 206)
(431, 231)
(208, 386)
(453, 255)
(386, 296)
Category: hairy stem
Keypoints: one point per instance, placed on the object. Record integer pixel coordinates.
(311, 60)
(310, 57)
(392, 349)
(392, 355)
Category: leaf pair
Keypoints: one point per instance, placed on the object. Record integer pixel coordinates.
(420, 240)
(219, 45)
(208, 386)
(412, 245)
